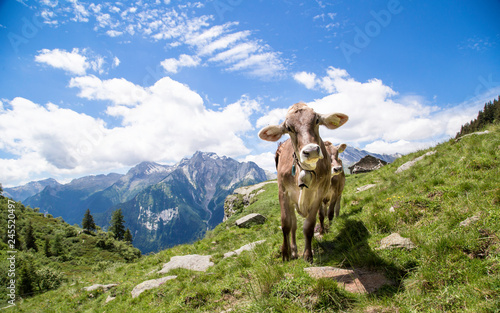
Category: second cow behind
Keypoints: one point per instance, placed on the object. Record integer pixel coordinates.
(337, 183)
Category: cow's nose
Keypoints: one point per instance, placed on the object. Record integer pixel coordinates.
(311, 151)
(337, 169)
(309, 155)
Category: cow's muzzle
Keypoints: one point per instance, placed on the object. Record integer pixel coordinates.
(309, 155)
(336, 170)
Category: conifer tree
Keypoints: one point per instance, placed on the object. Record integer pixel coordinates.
(88, 222)
(26, 279)
(46, 248)
(29, 237)
(117, 224)
(127, 236)
(57, 245)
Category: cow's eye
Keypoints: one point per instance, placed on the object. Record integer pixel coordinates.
(317, 121)
(289, 129)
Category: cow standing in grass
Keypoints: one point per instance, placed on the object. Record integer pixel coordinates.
(304, 168)
(337, 183)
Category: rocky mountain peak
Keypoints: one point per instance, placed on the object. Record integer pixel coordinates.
(23, 192)
(148, 168)
(96, 182)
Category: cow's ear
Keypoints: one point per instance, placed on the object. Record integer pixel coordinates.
(272, 132)
(341, 148)
(333, 120)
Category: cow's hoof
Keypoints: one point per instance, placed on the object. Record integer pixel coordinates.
(308, 257)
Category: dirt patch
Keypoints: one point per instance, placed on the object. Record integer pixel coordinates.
(353, 280)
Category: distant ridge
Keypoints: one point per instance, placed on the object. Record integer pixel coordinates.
(162, 204)
(21, 193)
(352, 155)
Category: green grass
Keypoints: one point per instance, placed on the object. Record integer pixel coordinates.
(453, 268)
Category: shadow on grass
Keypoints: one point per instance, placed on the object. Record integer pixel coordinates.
(352, 212)
(350, 250)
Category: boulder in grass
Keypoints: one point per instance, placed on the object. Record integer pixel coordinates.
(150, 284)
(395, 241)
(409, 164)
(247, 247)
(250, 219)
(192, 262)
(97, 286)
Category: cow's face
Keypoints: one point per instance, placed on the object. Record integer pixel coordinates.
(302, 124)
(334, 152)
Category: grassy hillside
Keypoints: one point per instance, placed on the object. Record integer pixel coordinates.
(453, 269)
(56, 253)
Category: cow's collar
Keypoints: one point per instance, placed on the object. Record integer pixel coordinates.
(296, 163)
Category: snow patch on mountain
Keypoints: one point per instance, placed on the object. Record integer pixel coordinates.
(151, 220)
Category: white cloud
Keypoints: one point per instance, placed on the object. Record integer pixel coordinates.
(306, 79)
(400, 146)
(263, 65)
(172, 65)
(223, 43)
(264, 160)
(239, 52)
(80, 12)
(54, 142)
(116, 62)
(163, 122)
(113, 33)
(76, 62)
(179, 25)
(274, 117)
(117, 90)
(72, 62)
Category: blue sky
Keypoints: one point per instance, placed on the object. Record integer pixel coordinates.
(90, 87)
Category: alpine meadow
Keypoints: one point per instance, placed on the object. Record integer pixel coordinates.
(175, 156)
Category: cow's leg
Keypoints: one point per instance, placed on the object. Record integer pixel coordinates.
(308, 229)
(331, 208)
(322, 211)
(286, 227)
(294, 230)
(337, 206)
(285, 248)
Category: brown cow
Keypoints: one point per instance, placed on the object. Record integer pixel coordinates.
(337, 184)
(304, 167)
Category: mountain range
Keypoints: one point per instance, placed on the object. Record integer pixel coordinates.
(352, 155)
(162, 205)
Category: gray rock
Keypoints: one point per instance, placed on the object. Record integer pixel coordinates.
(365, 187)
(409, 164)
(97, 286)
(367, 164)
(247, 247)
(469, 221)
(109, 299)
(250, 219)
(192, 262)
(395, 241)
(150, 284)
(476, 133)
